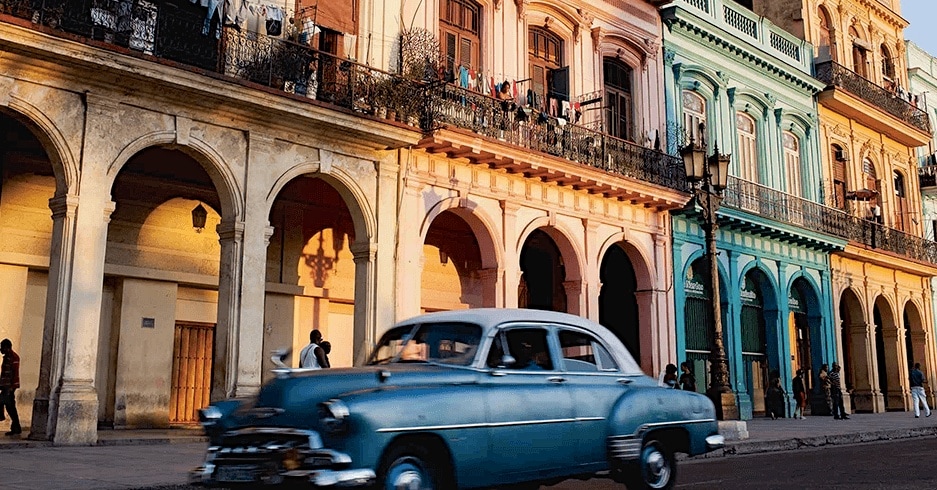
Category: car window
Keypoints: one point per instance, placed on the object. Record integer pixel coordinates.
(528, 347)
(445, 343)
(583, 353)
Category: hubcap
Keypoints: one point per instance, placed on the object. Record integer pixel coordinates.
(656, 468)
(406, 474)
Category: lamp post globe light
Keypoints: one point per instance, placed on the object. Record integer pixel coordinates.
(708, 177)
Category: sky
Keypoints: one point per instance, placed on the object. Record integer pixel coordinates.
(922, 15)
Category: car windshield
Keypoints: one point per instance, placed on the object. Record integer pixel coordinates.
(444, 343)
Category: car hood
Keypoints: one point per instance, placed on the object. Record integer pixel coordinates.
(292, 400)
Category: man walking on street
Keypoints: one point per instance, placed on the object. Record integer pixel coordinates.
(312, 356)
(836, 394)
(9, 383)
(917, 391)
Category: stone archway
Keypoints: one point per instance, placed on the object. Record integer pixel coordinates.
(618, 303)
(889, 361)
(161, 293)
(805, 325)
(454, 274)
(858, 351)
(312, 269)
(543, 273)
(758, 321)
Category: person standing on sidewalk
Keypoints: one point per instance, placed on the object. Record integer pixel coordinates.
(836, 393)
(9, 383)
(917, 391)
(824, 377)
(800, 394)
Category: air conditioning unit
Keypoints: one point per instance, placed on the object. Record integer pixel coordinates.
(840, 156)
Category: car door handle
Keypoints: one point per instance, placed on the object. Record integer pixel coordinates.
(497, 373)
(556, 379)
(625, 381)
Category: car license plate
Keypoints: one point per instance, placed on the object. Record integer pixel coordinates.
(236, 473)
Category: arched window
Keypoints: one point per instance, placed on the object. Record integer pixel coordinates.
(825, 50)
(838, 155)
(901, 202)
(545, 55)
(859, 53)
(792, 163)
(459, 31)
(874, 184)
(748, 147)
(888, 67)
(694, 117)
(618, 109)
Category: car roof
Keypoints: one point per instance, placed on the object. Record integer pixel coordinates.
(488, 318)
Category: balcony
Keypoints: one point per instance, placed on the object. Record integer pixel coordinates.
(455, 107)
(785, 208)
(850, 91)
(927, 171)
(174, 33)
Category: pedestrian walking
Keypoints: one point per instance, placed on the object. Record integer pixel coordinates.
(836, 393)
(800, 394)
(687, 380)
(326, 349)
(670, 376)
(312, 356)
(774, 399)
(917, 391)
(9, 383)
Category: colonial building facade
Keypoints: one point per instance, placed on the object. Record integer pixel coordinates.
(743, 87)
(870, 127)
(181, 196)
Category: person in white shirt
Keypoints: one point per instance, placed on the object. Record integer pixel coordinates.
(312, 356)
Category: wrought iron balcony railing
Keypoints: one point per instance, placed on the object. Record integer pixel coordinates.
(177, 31)
(839, 76)
(786, 208)
(497, 119)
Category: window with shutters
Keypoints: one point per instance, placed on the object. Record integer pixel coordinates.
(901, 203)
(459, 31)
(545, 54)
(872, 183)
(618, 110)
(792, 163)
(825, 49)
(859, 53)
(839, 176)
(694, 117)
(748, 147)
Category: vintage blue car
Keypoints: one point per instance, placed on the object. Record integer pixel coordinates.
(464, 399)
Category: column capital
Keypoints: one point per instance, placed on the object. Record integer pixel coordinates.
(230, 230)
(268, 233)
(109, 208)
(63, 206)
(364, 251)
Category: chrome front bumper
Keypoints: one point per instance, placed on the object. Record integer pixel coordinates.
(204, 475)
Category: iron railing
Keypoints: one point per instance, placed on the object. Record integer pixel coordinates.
(178, 31)
(786, 208)
(449, 105)
(839, 76)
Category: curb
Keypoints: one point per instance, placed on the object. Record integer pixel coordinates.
(793, 444)
(138, 441)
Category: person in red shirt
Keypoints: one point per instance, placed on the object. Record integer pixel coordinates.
(9, 383)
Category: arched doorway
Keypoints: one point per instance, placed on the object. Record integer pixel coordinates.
(543, 272)
(804, 327)
(311, 269)
(915, 336)
(452, 266)
(163, 266)
(888, 347)
(697, 320)
(756, 313)
(618, 306)
(29, 178)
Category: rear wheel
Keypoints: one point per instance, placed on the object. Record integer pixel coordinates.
(412, 467)
(655, 469)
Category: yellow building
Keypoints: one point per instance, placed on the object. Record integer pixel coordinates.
(870, 126)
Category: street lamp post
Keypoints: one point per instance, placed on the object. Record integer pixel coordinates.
(708, 178)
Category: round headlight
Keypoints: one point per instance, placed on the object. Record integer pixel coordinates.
(334, 415)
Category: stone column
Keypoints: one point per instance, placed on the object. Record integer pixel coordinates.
(228, 331)
(75, 401)
(61, 258)
(250, 338)
(383, 269)
(410, 255)
(365, 321)
(865, 397)
(591, 275)
(512, 254)
(490, 284)
(574, 296)
(899, 389)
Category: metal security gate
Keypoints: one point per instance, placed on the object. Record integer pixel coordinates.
(191, 371)
(754, 344)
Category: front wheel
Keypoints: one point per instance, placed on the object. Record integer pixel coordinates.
(410, 467)
(655, 469)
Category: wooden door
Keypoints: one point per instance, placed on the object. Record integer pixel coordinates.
(191, 371)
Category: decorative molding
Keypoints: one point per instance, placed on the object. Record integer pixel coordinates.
(772, 100)
(497, 4)
(598, 35)
(652, 47)
(779, 116)
(521, 8)
(669, 56)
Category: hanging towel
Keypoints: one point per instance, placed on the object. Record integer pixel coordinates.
(274, 21)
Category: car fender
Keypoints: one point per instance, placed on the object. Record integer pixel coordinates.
(689, 418)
